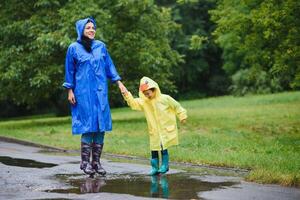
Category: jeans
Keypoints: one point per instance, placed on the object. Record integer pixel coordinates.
(89, 138)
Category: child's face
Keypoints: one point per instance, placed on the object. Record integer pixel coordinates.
(149, 93)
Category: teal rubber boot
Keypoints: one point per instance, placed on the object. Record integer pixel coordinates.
(154, 164)
(164, 186)
(165, 164)
(154, 186)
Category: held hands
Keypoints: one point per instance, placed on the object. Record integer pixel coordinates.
(122, 88)
(71, 97)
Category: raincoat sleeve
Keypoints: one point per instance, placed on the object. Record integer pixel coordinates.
(110, 68)
(179, 110)
(133, 103)
(69, 70)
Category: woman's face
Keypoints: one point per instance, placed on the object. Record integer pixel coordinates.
(89, 30)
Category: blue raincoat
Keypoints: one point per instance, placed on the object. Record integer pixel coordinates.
(87, 74)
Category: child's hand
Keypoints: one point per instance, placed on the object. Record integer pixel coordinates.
(183, 121)
(122, 87)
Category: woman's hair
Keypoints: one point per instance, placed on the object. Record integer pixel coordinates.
(89, 20)
(85, 41)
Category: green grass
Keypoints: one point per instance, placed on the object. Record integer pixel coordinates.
(261, 133)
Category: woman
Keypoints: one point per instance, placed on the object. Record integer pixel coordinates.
(87, 68)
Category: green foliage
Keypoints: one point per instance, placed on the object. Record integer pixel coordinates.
(259, 38)
(35, 35)
(251, 81)
(201, 56)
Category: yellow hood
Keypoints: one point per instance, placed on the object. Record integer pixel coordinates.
(147, 83)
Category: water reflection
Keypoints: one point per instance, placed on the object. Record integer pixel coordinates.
(174, 186)
(92, 185)
(159, 186)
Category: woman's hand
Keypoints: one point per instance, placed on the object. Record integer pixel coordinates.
(183, 121)
(71, 97)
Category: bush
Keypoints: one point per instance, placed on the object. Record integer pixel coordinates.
(254, 81)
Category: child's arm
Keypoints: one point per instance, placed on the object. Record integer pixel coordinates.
(179, 110)
(133, 103)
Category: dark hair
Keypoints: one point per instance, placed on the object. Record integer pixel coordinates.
(85, 41)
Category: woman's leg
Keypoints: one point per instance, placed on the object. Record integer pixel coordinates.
(98, 137)
(165, 162)
(86, 146)
(154, 163)
(98, 142)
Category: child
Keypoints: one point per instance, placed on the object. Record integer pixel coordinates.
(160, 112)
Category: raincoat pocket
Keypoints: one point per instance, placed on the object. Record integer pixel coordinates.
(170, 128)
(102, 99)
(80, 113)
(171, 133)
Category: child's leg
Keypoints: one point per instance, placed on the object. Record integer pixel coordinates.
(164, 152)
(154, 163)
(165, 162)
(86, 140)
(98, 142)
(154, 154)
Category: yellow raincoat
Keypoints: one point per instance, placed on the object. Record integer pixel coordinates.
(160, 113)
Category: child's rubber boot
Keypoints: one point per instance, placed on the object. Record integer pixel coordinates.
(164, 186)
(85, 159)
(165, 164)
(154, 186)
(154, 164)
(96, 155)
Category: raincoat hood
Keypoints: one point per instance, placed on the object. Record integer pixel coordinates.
(147, 83)
(80, 24)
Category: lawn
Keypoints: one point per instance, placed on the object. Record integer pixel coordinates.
(260, 132)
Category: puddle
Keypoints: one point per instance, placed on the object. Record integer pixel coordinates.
(24, 162)
(54, 199)
(175, 186)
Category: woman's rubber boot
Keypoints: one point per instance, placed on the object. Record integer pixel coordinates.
(97, 150)
(165, 164)
(85, 159)
(154, 164)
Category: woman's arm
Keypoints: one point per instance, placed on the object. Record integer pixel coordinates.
(110, 68)
(69, 76)
(69, 70)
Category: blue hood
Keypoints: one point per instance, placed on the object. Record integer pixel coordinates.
(80, 24)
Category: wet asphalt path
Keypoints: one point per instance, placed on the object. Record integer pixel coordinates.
(30, 173)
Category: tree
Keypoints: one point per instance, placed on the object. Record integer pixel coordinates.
(35, 35)
(201, 71)
(261, 44)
